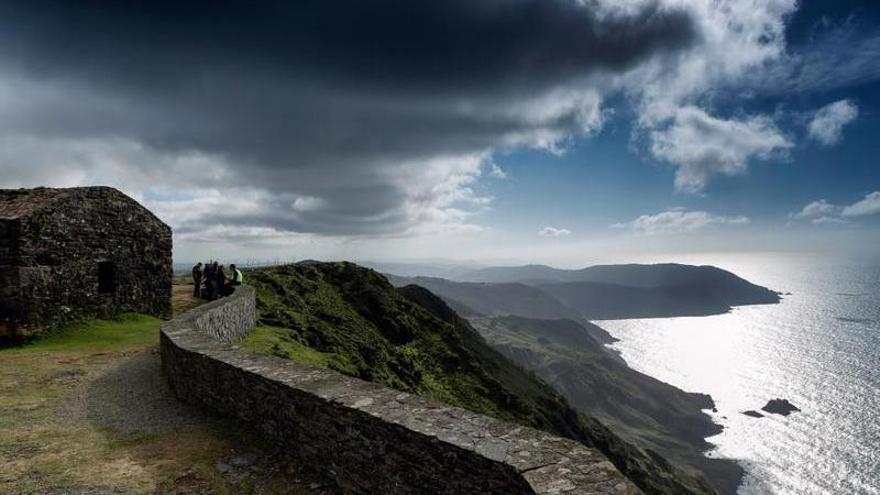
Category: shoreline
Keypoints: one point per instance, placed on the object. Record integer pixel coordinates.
(658, 418)
(725, 474)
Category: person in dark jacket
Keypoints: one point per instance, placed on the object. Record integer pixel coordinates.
(222, 281)
(197, 279)
(219, 279)
(210, 286)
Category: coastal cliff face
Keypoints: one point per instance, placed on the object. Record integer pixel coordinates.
(646, 412)
(352, 320)
(568, 352)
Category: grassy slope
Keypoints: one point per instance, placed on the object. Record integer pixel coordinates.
(645, 411)
(354, 321)
(351, 319)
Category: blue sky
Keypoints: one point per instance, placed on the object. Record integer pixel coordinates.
(610, 178)
(543, 131)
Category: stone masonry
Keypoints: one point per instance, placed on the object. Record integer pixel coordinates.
(80, 252)
(370, 438)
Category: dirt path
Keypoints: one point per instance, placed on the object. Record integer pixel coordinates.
(99, 420)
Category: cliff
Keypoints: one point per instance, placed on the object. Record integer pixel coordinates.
(645, 411)
(352, 320)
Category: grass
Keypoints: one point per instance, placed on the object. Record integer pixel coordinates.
(182, 299)
(279, 342)
(351, 319)
(128, 331)
(50, 438)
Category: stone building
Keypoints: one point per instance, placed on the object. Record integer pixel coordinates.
(80, 252)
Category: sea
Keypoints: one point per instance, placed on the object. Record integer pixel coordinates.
(819, 348)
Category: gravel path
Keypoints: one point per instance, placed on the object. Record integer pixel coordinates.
(130, 396)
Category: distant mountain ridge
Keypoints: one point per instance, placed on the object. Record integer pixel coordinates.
(601, 292)
(630, 274)
(636, 291)
(493, 299)
(472, 299)
(601, 301)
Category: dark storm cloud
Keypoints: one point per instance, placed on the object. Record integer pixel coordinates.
(320, 98)
(431, 45)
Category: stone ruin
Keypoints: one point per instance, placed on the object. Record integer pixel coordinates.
(74, 253)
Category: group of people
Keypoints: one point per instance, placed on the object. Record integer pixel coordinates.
(211, 280)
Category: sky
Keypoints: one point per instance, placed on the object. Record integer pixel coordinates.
(507, 131)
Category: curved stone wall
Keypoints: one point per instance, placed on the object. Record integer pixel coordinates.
(370, 438)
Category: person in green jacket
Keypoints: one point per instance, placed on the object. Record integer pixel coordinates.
(236, 275)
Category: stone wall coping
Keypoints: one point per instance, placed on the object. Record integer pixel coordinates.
(549, 464)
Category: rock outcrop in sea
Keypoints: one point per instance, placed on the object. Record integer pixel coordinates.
(780, 406)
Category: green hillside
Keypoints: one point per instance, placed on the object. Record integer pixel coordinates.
(353, 320)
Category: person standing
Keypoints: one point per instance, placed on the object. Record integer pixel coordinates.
(216, 273)
(210, 271)
(220, 280)
(237, 277)
(197, 279)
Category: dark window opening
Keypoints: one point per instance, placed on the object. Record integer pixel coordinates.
(106, 277)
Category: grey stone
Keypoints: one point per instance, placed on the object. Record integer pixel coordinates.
(68, 254)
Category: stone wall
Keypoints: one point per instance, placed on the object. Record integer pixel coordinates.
(229, 319)
(370, 438)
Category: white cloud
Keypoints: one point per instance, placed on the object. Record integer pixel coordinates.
(826, 127)
(701, 146)
(818, 209)
(496, 171)
(868, 206)
(829, 221)
(739, 40)
(822, 212)
(554, 232)
(678, 221)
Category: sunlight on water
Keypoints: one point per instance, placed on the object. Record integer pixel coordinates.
(819, 348)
